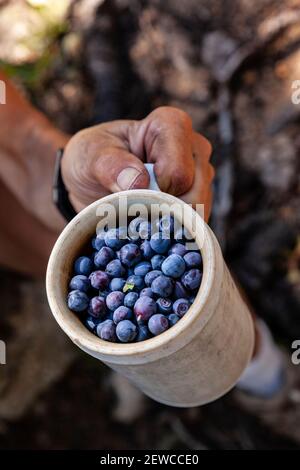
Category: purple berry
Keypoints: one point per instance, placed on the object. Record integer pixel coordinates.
(180, 291)
(115, 238)
(130, 299)
(97, 307)
(126, 331)
(173, 266)
(192, 259)
(173, 319)
(177, 249)
(159, 243)
(142, 268)
(107, 331)
(80, 282)
(146, 250)
(157, 261)
(77, 301)
(117, 283)
(99, 280)
(162, 286)
(83, 265)
(181, 306)
(103, 257)
(114, 300)
(164, 305)
(157, 324)
(142, 334)
(147, 291)
(144, 308)
(115, 269)
(149, 278)
(191, 279)
(130, 254)
(122, 313)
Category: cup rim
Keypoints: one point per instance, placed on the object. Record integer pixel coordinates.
(156, 347)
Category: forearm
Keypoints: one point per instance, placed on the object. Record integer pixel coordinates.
(28, 142)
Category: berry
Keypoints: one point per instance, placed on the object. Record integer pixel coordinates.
(117, 283)
(180, 291)
(157, 261)
(146, 250)
(97, 307)
(80, 282)
(192, 259)
(162, 286)
(173, 319)
(83, 265)
(159, 243)
(122, 313)
(164, 305)
(130, 254)
(126, 331)
(145, 230)
(130, 299)
(104, 293)
(103, 257)
(91, 323)
(181, 306)
(107, 331)
(115, 238)
(147, 291)
(173, 266)
(158, 324)
(142, 268)
(177, 249)
(114, 300)
(182, 235)
(115, 269)
(135, 282)
(99, 280)
(191, 279)
(166, 225)
(133, 228)
(77, 301)
(98, 242)
(144, 308)
(143, 333)
(151, 275)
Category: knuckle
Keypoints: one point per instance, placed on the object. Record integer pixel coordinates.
(182, 180)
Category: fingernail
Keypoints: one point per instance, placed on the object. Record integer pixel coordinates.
(127, 178)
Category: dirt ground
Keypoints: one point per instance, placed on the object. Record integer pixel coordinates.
(230, 64)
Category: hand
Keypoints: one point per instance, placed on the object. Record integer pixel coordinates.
(109, 157)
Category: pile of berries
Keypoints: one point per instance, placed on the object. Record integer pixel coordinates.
(136, 284)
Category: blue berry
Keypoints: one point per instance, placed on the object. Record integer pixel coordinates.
(115, 238)
(122, 313)
(177, 249)
(159, 243)
(173, 319)
(130, 299)
(162, 286)
(145, 230)
(80, 282)
(143, 333)
(135, 282)
(99, 280)
(151, 275)
(117, 283)
(191, 279)
(144, 308)
(77, 301)
(114, 300)
(142, 268)
(180, 291)
(173, 266)
(147, 291)
(182, 235)
(181, 306)
(157, 324)
(166, 225)
(192, 259)
(164, 305)
(91, 323)
(97, 307)
(126, 331)
(104, 293)
(130, 254)
(146, 250)
(157, 261)
(98, 242)
(133, 228)
(103, 257)
(107, 331)
(83, 265)
(115, 268)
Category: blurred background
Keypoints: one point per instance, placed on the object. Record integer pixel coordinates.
(230, 64)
